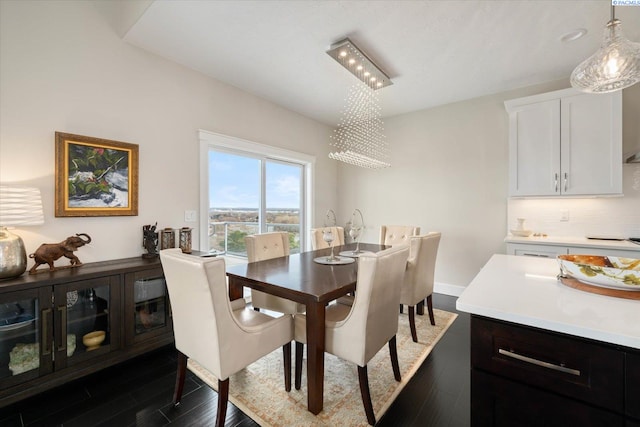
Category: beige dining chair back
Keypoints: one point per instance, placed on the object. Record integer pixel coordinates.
(221, 336)
(418, 278)
(317, 241)
(356, 333)
(265, 246)
(397, 234)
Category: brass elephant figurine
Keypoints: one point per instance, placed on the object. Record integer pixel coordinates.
(47, 253)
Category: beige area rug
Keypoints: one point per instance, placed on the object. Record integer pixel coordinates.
(259, 391)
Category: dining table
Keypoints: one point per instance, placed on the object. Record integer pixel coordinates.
(299, 278)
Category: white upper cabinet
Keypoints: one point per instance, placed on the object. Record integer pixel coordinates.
(565, 143)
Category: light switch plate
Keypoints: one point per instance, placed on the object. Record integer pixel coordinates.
(190, 216)
(564, 215)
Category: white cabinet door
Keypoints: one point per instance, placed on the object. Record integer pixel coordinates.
(591, 144)
(534, 149)
(565, 143)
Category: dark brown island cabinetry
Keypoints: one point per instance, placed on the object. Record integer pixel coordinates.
(527, 376)
(122, 304)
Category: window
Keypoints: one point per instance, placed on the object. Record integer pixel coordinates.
(249, 188)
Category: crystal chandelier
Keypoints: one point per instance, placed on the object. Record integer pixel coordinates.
(615, 66)
(359, 138)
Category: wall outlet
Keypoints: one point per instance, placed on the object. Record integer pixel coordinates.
(564, 215)
(190, 216)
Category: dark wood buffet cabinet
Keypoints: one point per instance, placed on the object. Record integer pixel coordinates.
(524, 376)
(46, 317)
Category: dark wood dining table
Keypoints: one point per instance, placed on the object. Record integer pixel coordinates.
(298, 278)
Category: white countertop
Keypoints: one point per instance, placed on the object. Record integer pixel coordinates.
(574, 241)
(525, 290)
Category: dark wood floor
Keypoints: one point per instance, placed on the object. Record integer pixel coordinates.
(139, 392)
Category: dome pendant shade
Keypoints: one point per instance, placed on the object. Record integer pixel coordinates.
(615, 66)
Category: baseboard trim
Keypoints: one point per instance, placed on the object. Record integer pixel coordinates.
(447, 289)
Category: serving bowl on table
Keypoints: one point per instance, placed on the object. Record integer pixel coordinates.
(604, 271)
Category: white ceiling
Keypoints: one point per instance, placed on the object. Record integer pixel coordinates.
(436, 52)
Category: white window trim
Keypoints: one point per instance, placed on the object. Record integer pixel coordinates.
(212, 140)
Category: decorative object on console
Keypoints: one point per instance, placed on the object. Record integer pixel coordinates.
(185, 240)
(47, 253)
(358, 139)
(150, 240)
(92, 340)
(95, 177)
(18, 206)
(615, 66)
(167, 239)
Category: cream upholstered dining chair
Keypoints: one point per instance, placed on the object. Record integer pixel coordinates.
(222, 336)
(265, 246)
(317, 242)
(397, 234)
(357, 332)
(418, 277)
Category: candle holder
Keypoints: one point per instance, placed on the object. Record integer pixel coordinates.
(167, 238)
(185, 240)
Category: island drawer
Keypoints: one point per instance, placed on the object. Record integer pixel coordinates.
(568, 366)
(498, 402)
(632, 384)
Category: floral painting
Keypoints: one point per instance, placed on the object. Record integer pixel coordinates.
(95, 177)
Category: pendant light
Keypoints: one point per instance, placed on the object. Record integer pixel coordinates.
(615, 66)
(359, 139)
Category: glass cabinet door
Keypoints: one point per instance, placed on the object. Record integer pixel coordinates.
(84, 321)
(147, 304)
(25, 351)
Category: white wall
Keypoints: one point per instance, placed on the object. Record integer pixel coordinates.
(449, 173)
(64, 67)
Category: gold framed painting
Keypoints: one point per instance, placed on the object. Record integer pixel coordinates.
(95, 177)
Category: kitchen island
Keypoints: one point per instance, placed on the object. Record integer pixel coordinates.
(543, 353)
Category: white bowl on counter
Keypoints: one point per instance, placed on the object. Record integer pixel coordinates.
(521, 233)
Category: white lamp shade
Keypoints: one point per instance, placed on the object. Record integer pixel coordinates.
(20, 206)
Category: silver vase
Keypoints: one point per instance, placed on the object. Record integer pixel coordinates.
(13, 257)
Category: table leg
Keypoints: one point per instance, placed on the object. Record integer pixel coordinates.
(315, 356)
(235, 289)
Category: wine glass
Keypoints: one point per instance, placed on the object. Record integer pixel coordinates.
(327, 236)
(354, 233)
(357, 224)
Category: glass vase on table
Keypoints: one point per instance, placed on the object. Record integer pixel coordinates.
(327, 236)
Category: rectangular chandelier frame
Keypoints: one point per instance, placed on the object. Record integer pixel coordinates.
(347, 54)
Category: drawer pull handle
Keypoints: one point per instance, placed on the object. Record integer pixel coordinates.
(537, 362)
(63, 322)
(44, 334)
